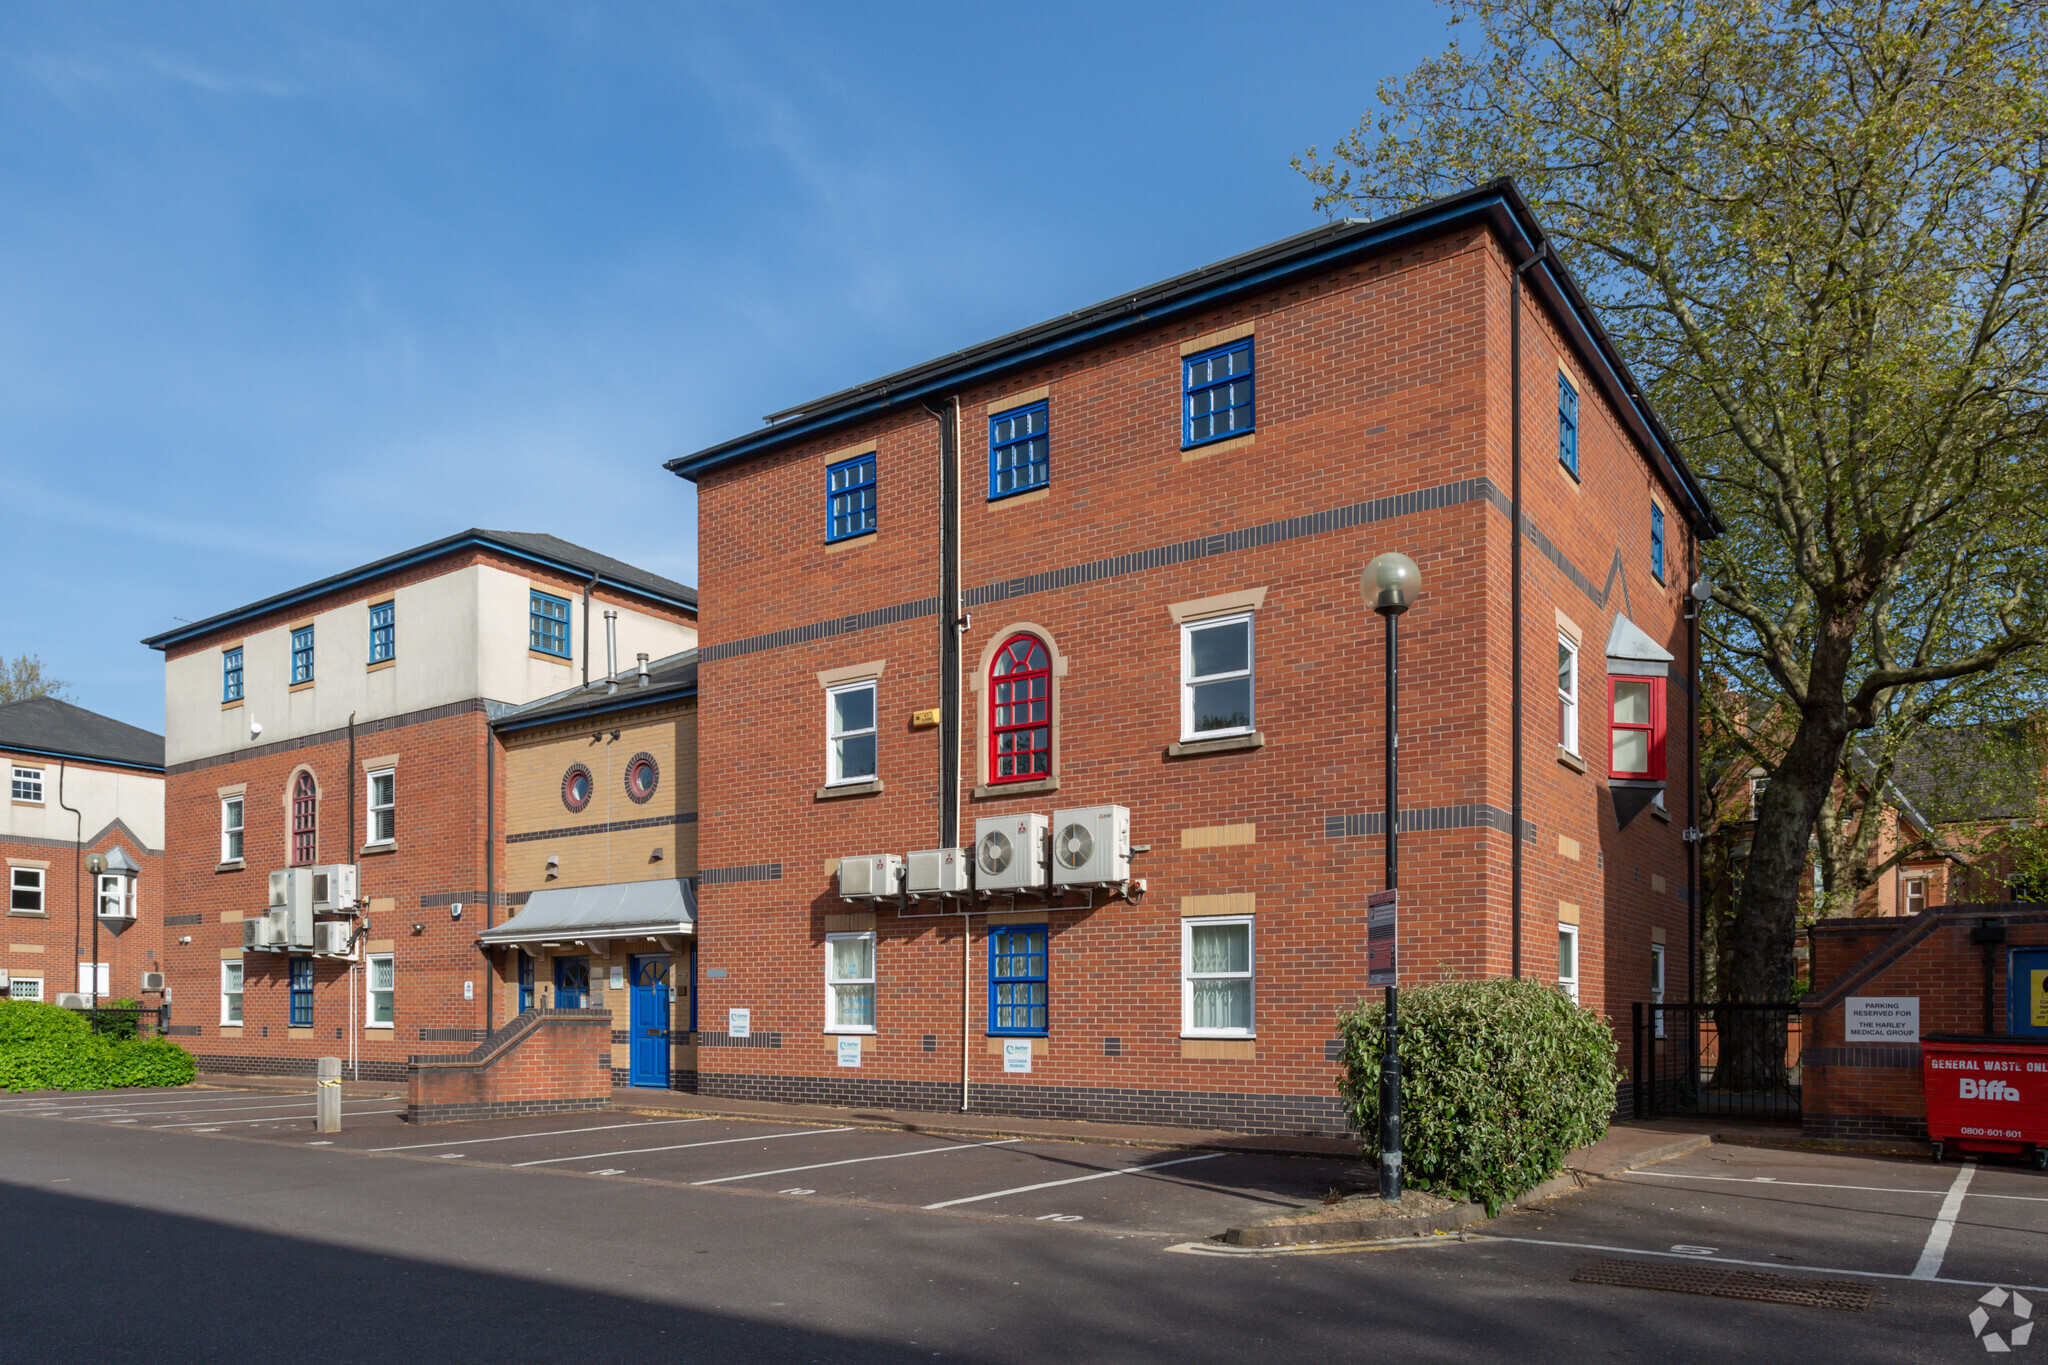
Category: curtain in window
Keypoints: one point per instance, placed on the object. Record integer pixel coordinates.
(853, 961)
(1224, 1003)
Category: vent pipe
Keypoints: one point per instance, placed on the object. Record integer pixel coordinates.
(611, 651)
(642, 671)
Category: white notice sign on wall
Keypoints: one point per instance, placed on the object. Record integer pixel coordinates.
(739, 1023)
(849, 1051)
(1881, 1019)
(1016, 1054)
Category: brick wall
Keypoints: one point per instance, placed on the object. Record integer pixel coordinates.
(544, 1062)
(50, 945)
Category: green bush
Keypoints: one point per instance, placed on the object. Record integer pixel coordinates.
(43, 1047)
(1500, 1080)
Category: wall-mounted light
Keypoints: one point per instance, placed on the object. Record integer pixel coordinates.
(419, 929)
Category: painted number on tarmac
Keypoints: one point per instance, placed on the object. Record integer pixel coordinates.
(1059, 1217)
(1694, 1251)
(796, 1189)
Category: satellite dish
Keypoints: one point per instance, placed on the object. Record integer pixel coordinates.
(995, 852)
(1076, 846)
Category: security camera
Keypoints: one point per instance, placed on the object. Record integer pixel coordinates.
(1702, 590)
(255, 727)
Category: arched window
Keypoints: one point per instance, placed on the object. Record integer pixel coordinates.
(305, 821)
(1020, 711)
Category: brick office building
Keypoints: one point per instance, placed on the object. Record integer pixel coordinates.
(80, 784)
(1154, 514)
(348, 721)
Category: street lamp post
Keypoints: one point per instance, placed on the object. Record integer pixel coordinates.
(1390, 583)
(123, 870)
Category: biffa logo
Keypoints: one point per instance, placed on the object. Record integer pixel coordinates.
(1988, 1090)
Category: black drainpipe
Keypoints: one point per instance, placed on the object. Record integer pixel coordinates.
(1695, 966)
(1515, 598)
(952, 621)
(586, 626)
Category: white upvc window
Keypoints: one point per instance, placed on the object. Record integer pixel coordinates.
(850, 983)
(24, 987)
(231, 829)
(25, 891)
(1913, 895)
(850, 733)
(1568, 694)
(1657, 985)
(383, 805)
(1216, 996)
(381, 980)
(231, 991)
(1216, 677)
(28, 784)
(116, 896)
(1568, 959)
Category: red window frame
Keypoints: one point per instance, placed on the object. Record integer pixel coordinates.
(1020, 681)
(1654, 729)
(305, 821)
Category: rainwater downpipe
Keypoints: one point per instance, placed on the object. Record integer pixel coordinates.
(1695, 965)
(355, 857)
(951, 623)
(77, 873)
(490, 872)
(586, 626)
(1515, 601)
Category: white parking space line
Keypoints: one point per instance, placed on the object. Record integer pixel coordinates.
(145, 1102)
(1944, 1226)
(221, 1109)
(715, 1142)
(514, 1137)
(277, 1118)
(1818, 1185)
(161, 1097)
(1076, 1180)
(1736, 1260)
(856, 1160)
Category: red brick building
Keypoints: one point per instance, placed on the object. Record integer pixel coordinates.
(80, 784)
(1113, 560)
(347, 723)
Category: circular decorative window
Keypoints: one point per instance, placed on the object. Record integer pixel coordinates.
(576, 787)
(642, 777)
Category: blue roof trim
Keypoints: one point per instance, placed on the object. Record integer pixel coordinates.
(438, 549)
(156, 768)
(627, 698)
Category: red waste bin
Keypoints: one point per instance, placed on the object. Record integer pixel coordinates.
(1986, 1094)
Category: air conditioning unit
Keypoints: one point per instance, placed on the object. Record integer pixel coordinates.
(871, 876)
(334, 886)
(937, 871)
(71, 1000)
(334, 938)
(1091, 846)
(291, 907)
(152, 981)
(1010, 852)
(264, 931)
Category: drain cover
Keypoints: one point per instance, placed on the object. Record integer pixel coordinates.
(1693, 1278)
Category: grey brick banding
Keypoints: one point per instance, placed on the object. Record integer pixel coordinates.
(759, 1038)
(1905, 1058)
(753, 872)
(688, 817)
(1370, 824)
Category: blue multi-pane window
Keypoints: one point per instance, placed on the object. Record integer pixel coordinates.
(1019, 451)
(547, 623)
(1568, 425)
(231, 674)
(1217, 394)
(1657, 541)
(1016, 979)
(302, 655)
(383, 632)
(302, 992)
(850, 497)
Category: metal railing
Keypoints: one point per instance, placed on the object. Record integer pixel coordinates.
(1721, 1060)
(126, 1021)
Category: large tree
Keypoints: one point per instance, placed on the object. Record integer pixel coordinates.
(1819, 232)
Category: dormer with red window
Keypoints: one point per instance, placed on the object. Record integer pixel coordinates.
(1638, 670)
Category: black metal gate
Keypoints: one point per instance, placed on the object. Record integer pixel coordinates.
(1726, 1060)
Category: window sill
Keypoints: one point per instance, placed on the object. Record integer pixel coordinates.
(302, 687)
(1655, 784)
(1222, 744)
(231, 865)
(850, 1032)
(994, 789)
(1570, 759)
(547, 658)
(28, 914)
(231, 705)
(832, 791)
(379, 1028)
(380, 665)
(851, 542)
(1218, 446)
(1022, 495)
(379, 849)
(32, 805)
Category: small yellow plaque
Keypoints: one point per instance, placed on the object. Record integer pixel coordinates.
(924, 720)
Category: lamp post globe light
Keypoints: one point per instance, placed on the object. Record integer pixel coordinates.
(113, 881)
(1390, 585)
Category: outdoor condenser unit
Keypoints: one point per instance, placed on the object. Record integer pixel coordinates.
(937, 871)
(1091, 846)
(1010, 851)
(870, 876)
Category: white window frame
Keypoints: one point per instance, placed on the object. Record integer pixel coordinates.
(1657, 985)
(229, 852)
(42, 889)
(16, 981)
(370, 991)
(1568, 983)
(389, 810)
(117, 888)
(1907, 894)
(1188, 976)
(1568, 700)
(1250, 673)
(240, 986)
(833, 777)
(26, 778)
(833, 983)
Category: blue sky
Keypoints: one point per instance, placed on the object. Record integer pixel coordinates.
(284, 288)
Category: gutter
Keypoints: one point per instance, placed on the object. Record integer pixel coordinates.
(61, 756)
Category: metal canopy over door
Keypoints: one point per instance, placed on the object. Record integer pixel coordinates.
(647, 1062)
(572, 983)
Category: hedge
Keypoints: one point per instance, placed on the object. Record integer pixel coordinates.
(1501, 1080)
(43, 1047)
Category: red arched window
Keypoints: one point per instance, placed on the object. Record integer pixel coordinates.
(1020, 711)
(305, 821)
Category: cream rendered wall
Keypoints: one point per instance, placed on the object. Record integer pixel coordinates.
(510, 670)
(100, 794)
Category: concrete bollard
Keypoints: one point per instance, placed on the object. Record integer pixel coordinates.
(327, 1096)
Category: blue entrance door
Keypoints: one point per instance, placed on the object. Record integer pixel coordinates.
(648, 1064)
(572, 983)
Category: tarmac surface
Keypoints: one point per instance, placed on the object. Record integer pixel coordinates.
(214, 1224)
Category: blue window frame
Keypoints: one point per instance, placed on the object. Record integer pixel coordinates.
(302, 655)
(1016, 979)
(1657, 541)
(547, 623)
(525, 981)
(1019, 452)
(1216, 389)
(1568, 425)
(383, 632)
(231, 674)
(302, 992)
(850, 497)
